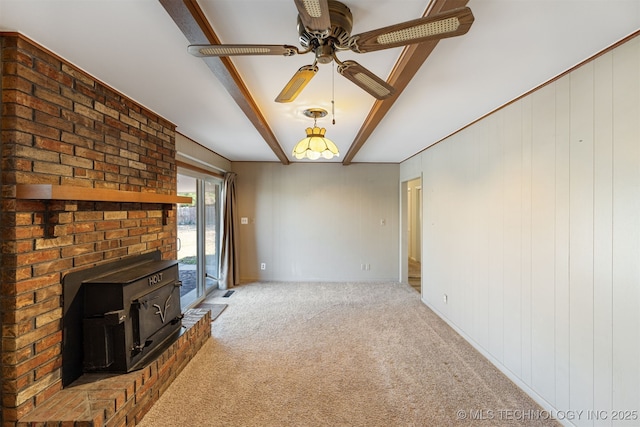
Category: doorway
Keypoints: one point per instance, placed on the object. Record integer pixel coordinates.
(413, 215)
(198, 235)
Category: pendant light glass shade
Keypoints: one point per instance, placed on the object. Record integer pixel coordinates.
(315, 145)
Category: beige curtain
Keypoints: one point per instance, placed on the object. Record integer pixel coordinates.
(229, 268)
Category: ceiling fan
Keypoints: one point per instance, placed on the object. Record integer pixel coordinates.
(324, 28)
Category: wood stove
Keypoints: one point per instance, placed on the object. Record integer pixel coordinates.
(119, 316)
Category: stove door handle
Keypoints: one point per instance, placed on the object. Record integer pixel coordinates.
(139, 348)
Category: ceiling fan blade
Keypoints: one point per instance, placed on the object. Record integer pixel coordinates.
(364, 78)
(451, 23)
(202, 50)
(297, 83)
(314, 15)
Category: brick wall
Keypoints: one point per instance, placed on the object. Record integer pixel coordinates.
(61, 126)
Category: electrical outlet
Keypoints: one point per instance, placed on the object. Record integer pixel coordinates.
(244, 220)
(445, 298)
(263, 266)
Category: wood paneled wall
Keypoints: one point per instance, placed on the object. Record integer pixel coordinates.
(318, 222)
(531, 228)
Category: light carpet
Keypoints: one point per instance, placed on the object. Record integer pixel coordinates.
(338, 354)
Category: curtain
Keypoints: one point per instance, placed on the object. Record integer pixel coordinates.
(229, 268)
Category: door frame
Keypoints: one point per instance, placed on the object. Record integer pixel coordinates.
(202, 290)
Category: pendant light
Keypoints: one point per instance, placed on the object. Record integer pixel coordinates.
(315, 145)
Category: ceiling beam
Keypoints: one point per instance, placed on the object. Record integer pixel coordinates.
(194, 25)
(410, 61)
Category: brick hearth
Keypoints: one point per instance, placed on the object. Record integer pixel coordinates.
(122, 400)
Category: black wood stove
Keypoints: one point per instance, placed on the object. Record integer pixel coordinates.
(119, 316)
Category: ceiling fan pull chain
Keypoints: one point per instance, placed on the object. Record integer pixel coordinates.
(333, 93)
(333, 112)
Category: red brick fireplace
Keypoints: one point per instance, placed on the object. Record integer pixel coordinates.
(87, 177)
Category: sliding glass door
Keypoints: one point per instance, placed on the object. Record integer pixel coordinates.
(198, 235)
(187, 240)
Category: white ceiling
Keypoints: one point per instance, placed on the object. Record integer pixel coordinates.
(135, 47)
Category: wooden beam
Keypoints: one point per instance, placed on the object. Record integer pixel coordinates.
(410, 61)
(192, 22)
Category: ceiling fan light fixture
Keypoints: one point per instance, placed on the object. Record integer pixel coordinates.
(315, 145)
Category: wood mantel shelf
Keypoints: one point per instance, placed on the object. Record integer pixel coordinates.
(67, 192)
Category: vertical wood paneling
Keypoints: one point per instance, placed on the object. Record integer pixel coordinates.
(555, 177)
(496, 238)
(461, 227)
(318, 221)
(378, 206)
(561, 262)
(445, 249)
(526, 237)
(603, 238)
(449, 257)
(581, 238)
(479, 220)
(429, 221)
(543, 241)
(255, 199)
(457, 278)
(626, 226)
(512, 140)
(437, 258)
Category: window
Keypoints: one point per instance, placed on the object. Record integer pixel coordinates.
(198, 235)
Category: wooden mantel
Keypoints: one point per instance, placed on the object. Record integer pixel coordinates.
(66, 192)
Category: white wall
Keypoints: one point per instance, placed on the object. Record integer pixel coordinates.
(318, 221)
(532, 229)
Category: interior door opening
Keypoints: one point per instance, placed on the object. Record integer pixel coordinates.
(413, 213)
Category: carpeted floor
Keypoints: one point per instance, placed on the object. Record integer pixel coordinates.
(337, 354)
